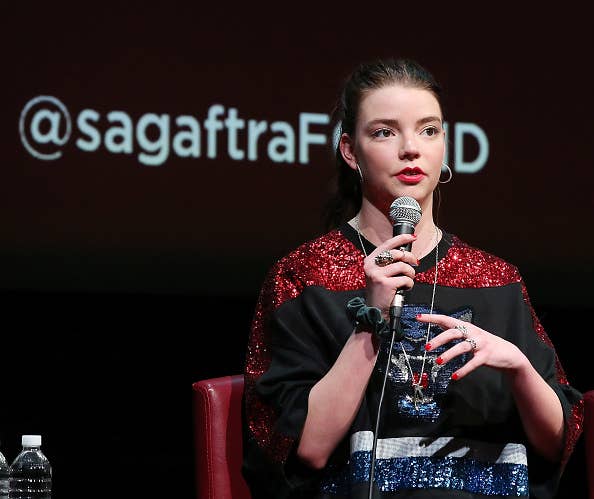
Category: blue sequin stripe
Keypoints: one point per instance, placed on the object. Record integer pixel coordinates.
(446, 462)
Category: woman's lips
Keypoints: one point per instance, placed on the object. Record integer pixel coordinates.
(411, 175)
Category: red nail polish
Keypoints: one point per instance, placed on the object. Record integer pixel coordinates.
(418, 316)
(454, 376)
(418, 262)
(414, 235)
(428, 346)
(439, 360)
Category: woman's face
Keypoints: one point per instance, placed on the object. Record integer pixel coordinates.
(399, 145)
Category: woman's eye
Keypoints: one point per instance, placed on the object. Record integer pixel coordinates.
(382, 132)
(431, 131)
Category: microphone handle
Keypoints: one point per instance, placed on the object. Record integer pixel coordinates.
(403, 228)
(398, 300)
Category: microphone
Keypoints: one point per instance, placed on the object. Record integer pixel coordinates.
(405, 214)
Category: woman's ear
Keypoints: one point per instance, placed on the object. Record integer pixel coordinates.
(347, 150)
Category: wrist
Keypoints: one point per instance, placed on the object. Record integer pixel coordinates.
(361, 334)
(520, 368)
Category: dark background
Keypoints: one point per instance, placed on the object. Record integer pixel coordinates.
(123, 283)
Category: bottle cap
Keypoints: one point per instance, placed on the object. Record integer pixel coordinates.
(31, 440)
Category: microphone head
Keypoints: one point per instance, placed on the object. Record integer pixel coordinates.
(405, 210)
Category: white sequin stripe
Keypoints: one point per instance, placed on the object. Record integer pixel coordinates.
(387, 448)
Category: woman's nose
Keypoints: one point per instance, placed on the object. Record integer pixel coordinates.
(408, 149)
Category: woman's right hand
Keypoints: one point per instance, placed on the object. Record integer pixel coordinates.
(384, 281)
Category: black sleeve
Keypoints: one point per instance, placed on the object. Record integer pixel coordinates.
(539, 349)
(296, 342)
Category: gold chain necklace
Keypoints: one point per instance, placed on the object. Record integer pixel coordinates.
(417, 388)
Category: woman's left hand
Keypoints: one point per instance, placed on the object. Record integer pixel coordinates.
(488, 349)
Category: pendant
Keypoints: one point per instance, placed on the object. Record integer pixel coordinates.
(418, 383)
(418, 395)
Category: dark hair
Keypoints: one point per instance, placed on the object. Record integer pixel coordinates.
(346, 200)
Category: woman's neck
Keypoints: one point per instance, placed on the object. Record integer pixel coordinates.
(376, 227)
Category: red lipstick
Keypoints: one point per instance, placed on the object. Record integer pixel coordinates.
(410, 175)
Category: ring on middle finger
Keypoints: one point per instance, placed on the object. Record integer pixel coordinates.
(472, 342)
(384, 258)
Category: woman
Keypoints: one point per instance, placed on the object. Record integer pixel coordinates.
(476, 403)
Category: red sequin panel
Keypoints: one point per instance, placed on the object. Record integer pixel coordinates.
(540, 330)
(573, 425)
(573, 429)
(466, 267)
(331, 261)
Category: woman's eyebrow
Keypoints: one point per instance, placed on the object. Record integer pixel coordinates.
(393, 122)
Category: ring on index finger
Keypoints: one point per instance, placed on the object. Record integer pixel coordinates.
(463, 329)
(384, 258)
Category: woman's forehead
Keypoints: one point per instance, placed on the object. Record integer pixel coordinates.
(394, 101)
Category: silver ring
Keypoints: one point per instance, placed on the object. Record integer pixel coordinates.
(463, 329)
(472, 342)
(384, 258)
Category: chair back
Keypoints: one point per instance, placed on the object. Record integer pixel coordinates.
(218, 438)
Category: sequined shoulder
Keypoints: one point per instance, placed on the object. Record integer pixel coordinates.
(330, 261)
(464, 266)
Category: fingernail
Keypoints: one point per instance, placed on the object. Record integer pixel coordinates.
(419, 316)
(418, 262)
(454, 376)
(439, 360)
(414, 236)
(428, 346)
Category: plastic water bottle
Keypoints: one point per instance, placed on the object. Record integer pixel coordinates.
(3, 476)
(30, 473)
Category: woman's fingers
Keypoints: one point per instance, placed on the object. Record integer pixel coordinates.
(390, 277)
(387, 269)
(469, 345)
(486, 348)
(453, 352)
(454, 329)
(445, 321)
(467, 368)
(401, 282)
(388, 257)
(397, 241)
(393, 269)
(393, 244)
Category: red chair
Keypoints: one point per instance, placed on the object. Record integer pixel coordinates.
(589, 438)
(218, 438)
